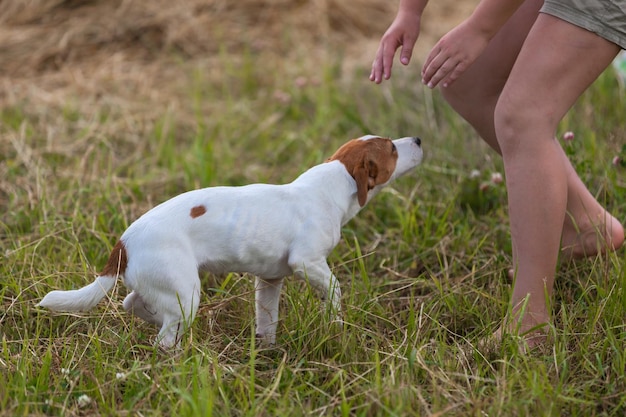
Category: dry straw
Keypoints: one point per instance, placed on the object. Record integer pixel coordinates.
(86, 44)
(50, 49)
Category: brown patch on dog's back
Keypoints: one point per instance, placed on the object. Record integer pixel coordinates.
(197, 211)
(118, 260)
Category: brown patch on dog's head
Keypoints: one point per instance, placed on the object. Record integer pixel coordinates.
(118, 260)
(370, 161)
(197, 211)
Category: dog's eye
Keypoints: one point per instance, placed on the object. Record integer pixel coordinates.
(393, 148)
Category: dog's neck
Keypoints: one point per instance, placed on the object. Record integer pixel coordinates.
(336, 185)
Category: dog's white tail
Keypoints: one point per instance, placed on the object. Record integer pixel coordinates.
(87, 297)
(82, 299)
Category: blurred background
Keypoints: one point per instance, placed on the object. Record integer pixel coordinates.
(139, 54)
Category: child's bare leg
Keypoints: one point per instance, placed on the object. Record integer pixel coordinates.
(541, 88)
(588, 228)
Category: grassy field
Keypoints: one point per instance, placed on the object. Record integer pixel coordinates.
(422, 268)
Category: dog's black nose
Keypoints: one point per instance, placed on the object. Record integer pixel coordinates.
(418, 141)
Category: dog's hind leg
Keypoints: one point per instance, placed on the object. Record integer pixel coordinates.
(267, 297)
(179, 311)
(176, 297)
(136, 305)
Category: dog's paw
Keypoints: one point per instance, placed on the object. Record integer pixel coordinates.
(268, 340)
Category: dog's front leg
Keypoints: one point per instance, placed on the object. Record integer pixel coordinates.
(267, 297)
(319, 275)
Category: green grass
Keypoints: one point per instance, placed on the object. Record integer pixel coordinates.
(423, 276)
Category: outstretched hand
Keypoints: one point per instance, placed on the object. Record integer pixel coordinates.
(403, 32)
(452, 55)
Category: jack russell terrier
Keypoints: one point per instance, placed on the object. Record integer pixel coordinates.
(270, 231)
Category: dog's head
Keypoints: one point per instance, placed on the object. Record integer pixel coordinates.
(374, 161)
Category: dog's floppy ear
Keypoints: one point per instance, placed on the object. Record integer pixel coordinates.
(368, 163)
(365, 177)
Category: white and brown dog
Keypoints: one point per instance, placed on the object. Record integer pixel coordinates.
(270, 231)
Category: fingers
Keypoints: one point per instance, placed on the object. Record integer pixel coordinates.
(452, 55)
(381, 67)
(395, 37)
(445, 75)
(441, 68)
(449, 59)
(406, 52)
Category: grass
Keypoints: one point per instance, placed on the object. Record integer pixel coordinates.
(422, 267)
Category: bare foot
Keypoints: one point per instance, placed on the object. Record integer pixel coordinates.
(588, 240)
(584, 240)
(576, 243)
(529, 337)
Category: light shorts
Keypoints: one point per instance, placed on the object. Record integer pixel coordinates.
(606, 18)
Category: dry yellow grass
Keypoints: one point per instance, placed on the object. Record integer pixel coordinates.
(127, 52)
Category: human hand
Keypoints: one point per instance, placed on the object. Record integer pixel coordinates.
(403, 31)
(452, 55)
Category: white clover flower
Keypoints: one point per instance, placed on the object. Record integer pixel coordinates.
(83, 401)
(568, 136)
(474, 174)
(496, 178)
(301, 82)
(616, 161)
(282, 97)
(120, 376)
